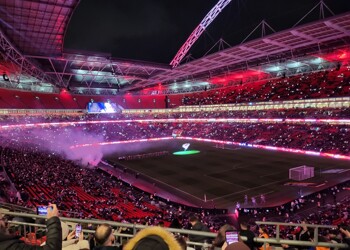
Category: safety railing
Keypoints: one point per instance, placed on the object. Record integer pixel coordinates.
(277, 241)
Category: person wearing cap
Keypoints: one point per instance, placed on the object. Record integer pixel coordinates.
(153, 238)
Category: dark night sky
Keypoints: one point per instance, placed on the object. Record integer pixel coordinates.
(154, 30)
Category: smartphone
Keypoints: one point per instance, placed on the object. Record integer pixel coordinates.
(77, 230)
(41, 210)
(231, 237)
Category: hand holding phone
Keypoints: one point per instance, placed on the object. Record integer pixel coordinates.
(231, 237)
(71, 235)
(77, 230)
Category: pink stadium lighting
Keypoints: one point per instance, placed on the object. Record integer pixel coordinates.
(290, 150)
(193, 120)
(119, 142)
(343, 55)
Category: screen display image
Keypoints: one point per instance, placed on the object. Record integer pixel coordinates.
(77, 230)
(231, 237)
(103, 107)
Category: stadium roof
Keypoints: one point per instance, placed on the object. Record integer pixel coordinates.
(154, 30)
(36, 27)
(32, 34)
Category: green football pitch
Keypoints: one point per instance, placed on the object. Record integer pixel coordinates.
(223, 176)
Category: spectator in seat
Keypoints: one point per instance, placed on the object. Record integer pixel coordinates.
(322, 239)
(263, 234)
(198, 226)
(220, 239)
(153, 238)
(346, 235)
(53, 240)
(235, 246)
(245, 231)
(176, 222)
(182, 241)
(70, 243)
(304, 234)
(104, 238)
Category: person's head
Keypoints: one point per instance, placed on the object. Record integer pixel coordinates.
(193, 220)
(236, 246)
(221, 236)
(104, 235)
(262, 230)
(153, 238)
(303, 226)
(161, 223)
(182, 242)
(244, 225)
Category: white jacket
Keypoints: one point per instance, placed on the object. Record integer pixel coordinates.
(71, 245)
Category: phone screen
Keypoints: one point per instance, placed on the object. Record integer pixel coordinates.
(231, 237)
(77, 230)
(41, 210)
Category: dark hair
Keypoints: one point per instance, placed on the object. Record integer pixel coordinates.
(193, 218)
(182, 242)
(175, 223)
(263, 228)
(151, 242)
(244, 224)
(221, 236)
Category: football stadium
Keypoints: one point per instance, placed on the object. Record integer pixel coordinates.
(218, 124)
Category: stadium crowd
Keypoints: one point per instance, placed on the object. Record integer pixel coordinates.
(325, 138)
(83, 192)
(91, 193)
(297, 113)
(59, 235)
(320, 84)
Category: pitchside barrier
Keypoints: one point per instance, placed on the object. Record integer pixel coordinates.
(30, 228)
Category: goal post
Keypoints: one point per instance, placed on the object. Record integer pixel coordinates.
(301, 173)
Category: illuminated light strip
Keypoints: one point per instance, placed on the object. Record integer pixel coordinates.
(338, 121)
(119, 142)
(194, 120)
(290, 150)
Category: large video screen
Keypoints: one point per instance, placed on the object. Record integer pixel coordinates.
(103, 107)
